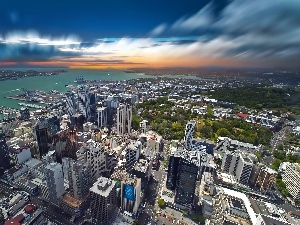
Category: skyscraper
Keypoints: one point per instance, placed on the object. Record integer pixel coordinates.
(183, 170)
(65, 143)
(80, 179)
(4, 154)
(103, 196)
(186, 183)
(55, 181)
(189, 133)
(124, 119)
(42, 137)
(131, 194)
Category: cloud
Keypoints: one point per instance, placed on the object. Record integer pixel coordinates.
(202, 19)
(244, 32)
(261, 31)
(158, 30)
(30, 46)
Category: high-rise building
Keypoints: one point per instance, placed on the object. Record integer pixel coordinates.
(4, 154)
(254, 174)
(142, 169)
(55, 181)
(266, 178)
(96, 157)
(102, 116)
(186, 183)
(143, 126)
(24, 113)
(82, 102)
(86, 102)
(124, 119)
(65, 143)
(183, 170)
(77, 120)
(239, 164)
(291, 178)
(131, 194)
(42, 137)
(71, 103)
(173, 167)
(133, 151)
(80, 179)
(103, 196)
(189, 133)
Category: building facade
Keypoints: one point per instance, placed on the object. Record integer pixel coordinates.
(291, 178)
(103, 196)
(189, 133)
(55, 182)
(4, 154)
(124, 119)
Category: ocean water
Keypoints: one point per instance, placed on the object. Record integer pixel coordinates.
(47, 83)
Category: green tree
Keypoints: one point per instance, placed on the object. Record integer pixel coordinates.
(161, 203)
(136, 122)
(276, 164)
(223, 132)
(259, 157)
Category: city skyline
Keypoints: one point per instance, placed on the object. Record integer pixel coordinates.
(133, 34)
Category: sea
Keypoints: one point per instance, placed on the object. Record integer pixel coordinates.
(59, 82)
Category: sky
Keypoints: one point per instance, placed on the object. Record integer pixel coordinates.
(150, 33)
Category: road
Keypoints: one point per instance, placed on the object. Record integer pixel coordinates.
(147, 216)
(52, 212)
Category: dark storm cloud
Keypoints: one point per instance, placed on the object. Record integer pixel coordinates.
(31, 52)
(268, 28)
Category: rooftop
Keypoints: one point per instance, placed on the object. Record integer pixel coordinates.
(71, 201)
(103, 186)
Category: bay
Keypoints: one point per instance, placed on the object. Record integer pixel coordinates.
(58, 82)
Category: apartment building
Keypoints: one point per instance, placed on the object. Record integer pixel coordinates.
(291, 178)
(103, 201)
(55, 181)
(266, 178)
(124, 119)
(239, 164)
(131, 194)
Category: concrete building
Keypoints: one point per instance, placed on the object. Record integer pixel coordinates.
(239, 164)
(131, 194)
(65, 143)
(231, 207)
(133, 151)
(55, 182)
(189, 134)
(102, 116)
(266, 178)
(103, 201)
(291, 178)
(143, 126)
(142, 170)
(124, 119)
(82, 102)
(20, 155)
(80, 179)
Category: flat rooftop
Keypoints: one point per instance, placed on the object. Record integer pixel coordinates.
(71, 201)
(103, 186)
